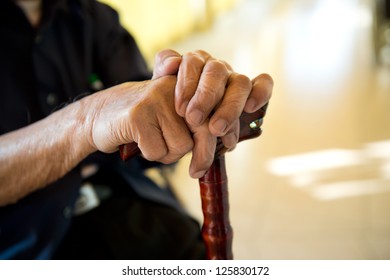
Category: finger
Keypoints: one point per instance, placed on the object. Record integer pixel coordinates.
(167, 62)
(151, 143)
(161, 134)
(209, 93)
(261, 92)
(230, 140)
(166, 144)
(178, 140)
(232, 105)
(188, 76)
(203, 151)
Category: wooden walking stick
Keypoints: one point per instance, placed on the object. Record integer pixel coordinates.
(217, 232)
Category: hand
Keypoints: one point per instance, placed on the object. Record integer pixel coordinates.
(140, 112)
(211, 97)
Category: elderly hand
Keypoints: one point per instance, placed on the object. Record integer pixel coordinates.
(141, 112)
(210, 96)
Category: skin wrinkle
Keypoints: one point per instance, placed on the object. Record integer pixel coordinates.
(50, 163)
(93, 123)
(212, 86)
(261, 92)
(200, 153)
(231, 138)
(190, 73)
(180, 145)
(118, 107)
(237, 84)
(168, 62)
(165, 125)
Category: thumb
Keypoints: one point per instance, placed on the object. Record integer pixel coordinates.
(167, 62)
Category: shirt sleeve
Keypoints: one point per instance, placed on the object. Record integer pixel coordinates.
(117, 57)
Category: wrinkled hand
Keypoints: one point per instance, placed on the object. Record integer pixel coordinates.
(141, 112)
(210, 96)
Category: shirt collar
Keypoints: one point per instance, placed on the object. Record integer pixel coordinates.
(8, 8)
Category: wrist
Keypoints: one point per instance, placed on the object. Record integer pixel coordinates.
(80, 127)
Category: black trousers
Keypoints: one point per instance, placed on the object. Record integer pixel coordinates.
(126, 226)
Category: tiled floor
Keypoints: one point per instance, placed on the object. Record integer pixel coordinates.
(316, 185)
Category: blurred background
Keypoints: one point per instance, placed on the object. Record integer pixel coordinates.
(316, 185)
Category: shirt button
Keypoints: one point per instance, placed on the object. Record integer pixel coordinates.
(67, 212)
(52, 99)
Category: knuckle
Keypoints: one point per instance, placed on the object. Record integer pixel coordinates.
(202, 53)
(241, 82)
(176, 152)
(262, 87)
(168, 154)
(181, 148)
(194, 60)
(267, 78)
(168, 160)
(244, 80)
(216, 67)
(227, 65)
(155, 155)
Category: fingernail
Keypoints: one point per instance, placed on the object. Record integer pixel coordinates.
(196, 117)
(230, 140)
(220, 126)
(170, 65)
(169, 59)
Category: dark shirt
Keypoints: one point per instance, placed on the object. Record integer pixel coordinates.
(40, 70)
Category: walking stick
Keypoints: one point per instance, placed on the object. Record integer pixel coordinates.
(217, 232)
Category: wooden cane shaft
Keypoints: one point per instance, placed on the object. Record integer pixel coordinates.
(217, 232)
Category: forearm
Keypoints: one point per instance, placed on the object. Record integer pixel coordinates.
(38, 154)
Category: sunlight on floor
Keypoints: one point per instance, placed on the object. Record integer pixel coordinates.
(308, 170)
